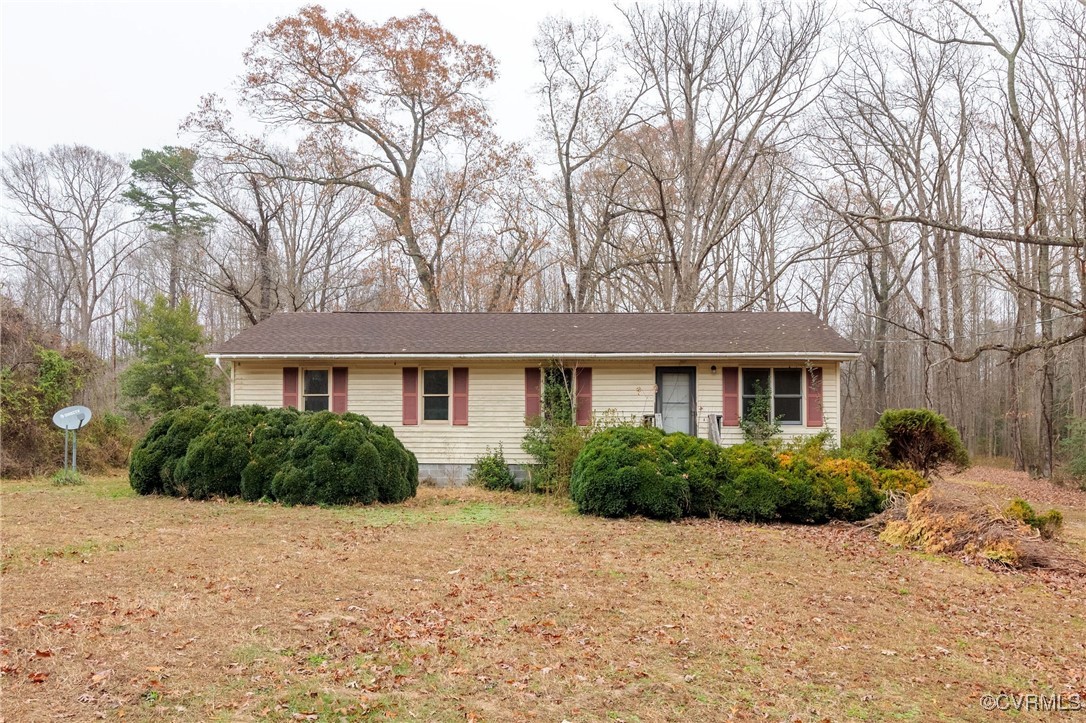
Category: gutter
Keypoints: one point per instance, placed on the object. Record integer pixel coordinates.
(804, 355)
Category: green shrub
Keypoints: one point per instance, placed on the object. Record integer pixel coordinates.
(492, 472)
(660, 496)
(291, 487)
(750, 454)
(901, 480)
(344, 459)
(922, 440)
(270, 439)
(1047, 525)
(617, 475)
(757, 425)
(1074, 450)
(281, 454)
(401, 478)
(801, 489)
(868, 445)
(554, 445)
(218, 455)
(755, 494)
(158, 458)
(698, 462)
(632, 470)
(336, 461)
(64, 477)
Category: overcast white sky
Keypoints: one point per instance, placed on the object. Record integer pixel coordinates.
(120, 76)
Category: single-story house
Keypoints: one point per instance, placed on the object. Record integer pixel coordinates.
(452, 385)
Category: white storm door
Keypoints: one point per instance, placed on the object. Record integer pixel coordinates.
(675, 401)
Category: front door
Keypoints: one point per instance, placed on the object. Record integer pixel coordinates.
(675, 402)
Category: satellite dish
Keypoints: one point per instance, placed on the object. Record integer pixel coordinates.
(72, 418)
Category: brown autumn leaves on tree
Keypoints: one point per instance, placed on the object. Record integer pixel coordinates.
(914, 173)
(394, 111)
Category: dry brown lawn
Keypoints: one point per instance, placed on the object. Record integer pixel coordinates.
(467, 605)
(998, 486)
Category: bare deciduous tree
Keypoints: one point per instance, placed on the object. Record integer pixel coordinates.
(73, 234)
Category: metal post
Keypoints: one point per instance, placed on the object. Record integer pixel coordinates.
(65, 449)
(75, 444)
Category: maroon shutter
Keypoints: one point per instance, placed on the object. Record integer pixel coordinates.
(814, 397)
(410, 395)
(290, 387)
(584, 397)
(460, 396)
(730, 417)
(339, 389)
(533, 406)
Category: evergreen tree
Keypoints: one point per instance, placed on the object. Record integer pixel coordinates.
(163, 188)
(169, 370)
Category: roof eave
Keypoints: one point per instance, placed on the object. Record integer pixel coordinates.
(827, 356)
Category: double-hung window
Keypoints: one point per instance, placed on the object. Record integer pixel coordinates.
(435, 395)
(784, 388)
(315, 385)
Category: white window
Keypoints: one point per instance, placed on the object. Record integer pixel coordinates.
(435, 395)
(785, 387)
(315, 386)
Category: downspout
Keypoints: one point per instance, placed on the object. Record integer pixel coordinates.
(230, 374)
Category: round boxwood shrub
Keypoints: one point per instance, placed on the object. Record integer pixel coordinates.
(401, 478)
(700, 463)
(281, 454)
(328, 462)
(158, 459)
(755, 494)
(626, 470)
(291, 486)
(344, 459)
(270, 439)
(217, 456)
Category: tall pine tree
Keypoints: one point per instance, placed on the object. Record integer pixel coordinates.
(163, 189)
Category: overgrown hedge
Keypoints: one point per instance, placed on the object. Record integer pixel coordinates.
(278, 454)
(916, 439)
(641, 471)
(157, 460)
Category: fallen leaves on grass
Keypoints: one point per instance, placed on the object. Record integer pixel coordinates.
(429, 610)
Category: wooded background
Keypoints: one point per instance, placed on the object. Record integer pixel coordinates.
(914, 173)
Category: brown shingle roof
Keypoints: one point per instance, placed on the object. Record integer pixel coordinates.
(423, 333)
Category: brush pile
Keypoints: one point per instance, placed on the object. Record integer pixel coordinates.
(944, 520)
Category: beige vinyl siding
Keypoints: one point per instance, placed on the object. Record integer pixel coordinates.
(375, 389)
(627, 390)
(621, 390)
